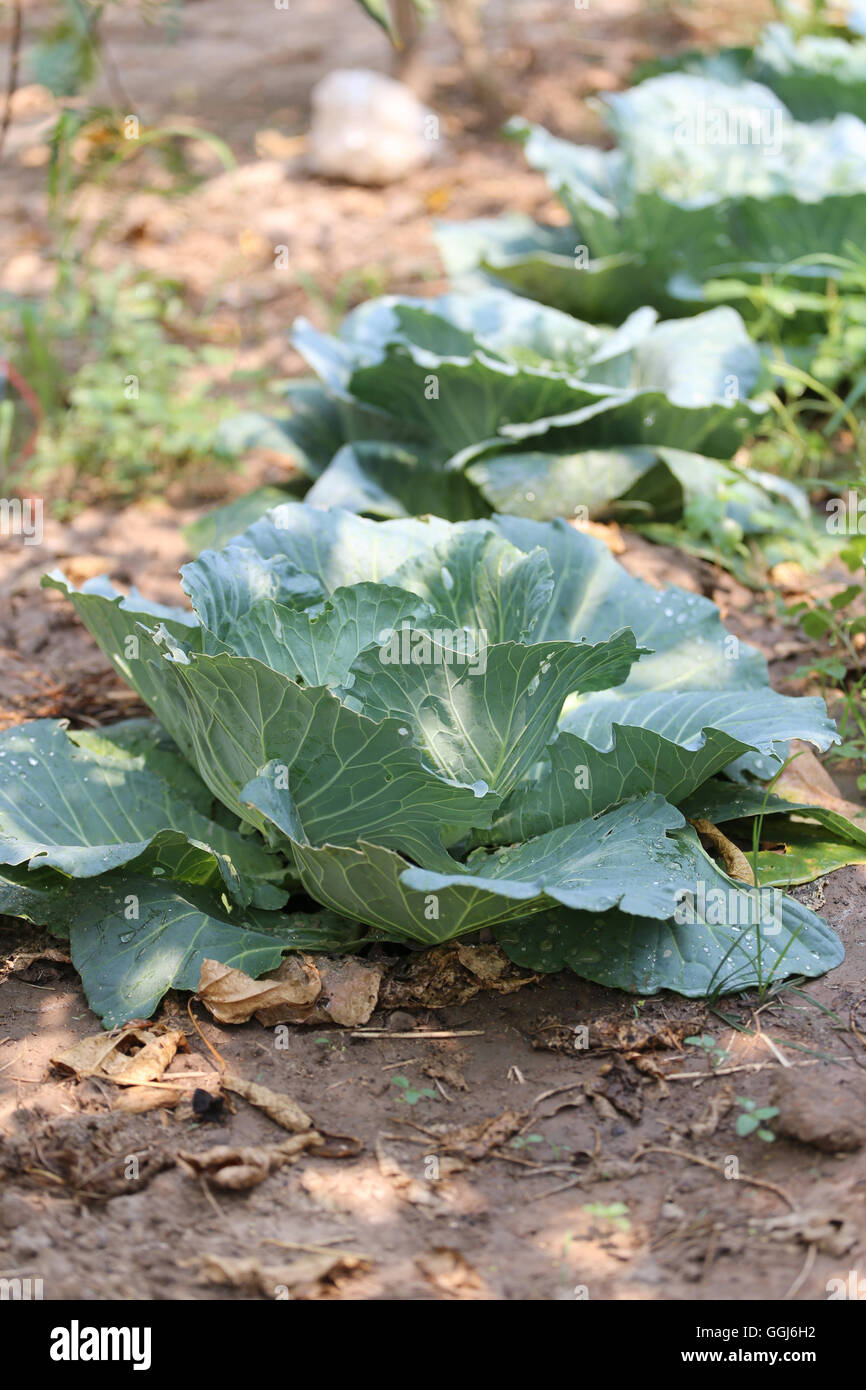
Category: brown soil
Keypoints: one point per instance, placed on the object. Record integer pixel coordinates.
(537, 1218)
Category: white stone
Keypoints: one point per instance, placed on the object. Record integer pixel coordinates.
(366, 128)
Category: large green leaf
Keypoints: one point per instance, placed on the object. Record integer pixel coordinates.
(592, 594)
(120, 626)
(487, 719)
(318, 424)
(712, 177)
(348, 775)
(595, 864)
(726, 938)
(366, 881)
(640, 485)
(146, 740)
(478, 581)
(760, 719)
(436, 727)
(86, 810)
(133, 939)
(576, 779)
(469, 368)
(38, 895)
(386, 481)
(802, 851)
(619, 858)
(319, 647)
(223, 587)
(810, 839)
(551, 265)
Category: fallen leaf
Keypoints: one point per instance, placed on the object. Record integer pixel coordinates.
(302, 1278)
(450, 975)
(351, 989)
(831, 1233)
(137, 1100)
(554, 1035)
(491, 966)
(603, 1107)
(805, 779)
(790, 577)
(477, 1140)
(272, 144)
(450, 1272)
(233, 997)
(348, 995)
(733, 859)
(448, 1070)
(607, 531)
(253, 245)
(88, 1153)
(708, 1122)
(21, 963)
(618, 1085)
(438, 200)
(235, 1167)
(278, 1107)
(79, 568)
(301, 990)
(638, 1035)
(131, 1056)
(420, 1194)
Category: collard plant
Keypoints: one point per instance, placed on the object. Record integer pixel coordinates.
(473, 403)
(427, 729)
(708, 180)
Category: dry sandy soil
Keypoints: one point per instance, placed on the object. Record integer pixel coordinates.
(606, 1174)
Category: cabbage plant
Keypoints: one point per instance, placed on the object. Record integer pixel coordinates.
(815, 75)
(708, 179)
(469, 404)
(408, 731)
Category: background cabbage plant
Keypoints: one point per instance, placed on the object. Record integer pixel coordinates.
(427, 729)
(708, 180)
(815, 75)
(469, 404)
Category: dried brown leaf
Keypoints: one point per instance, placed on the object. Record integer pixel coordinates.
(733, 858)
(618, 1085)
(233, 996)
(822, 1227)
(708, 1122)
(278, 1107)
(236, 1167)
(137, 1100)
(449, 1271)
(449, 975)
(304, 1277)
(477, 1140)
(132, 1056)
(638, 1034)
(348, 994)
